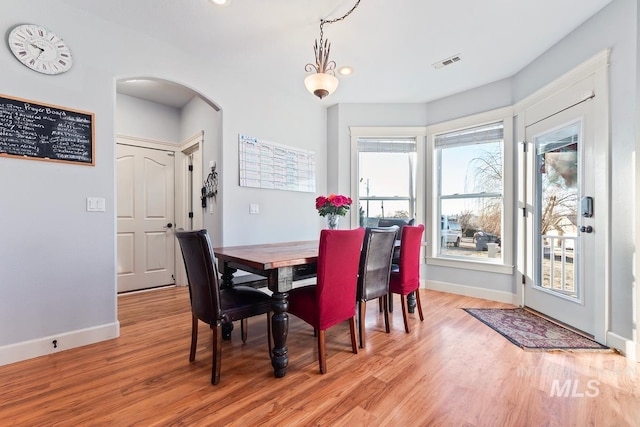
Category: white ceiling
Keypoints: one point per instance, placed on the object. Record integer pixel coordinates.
(391, 44)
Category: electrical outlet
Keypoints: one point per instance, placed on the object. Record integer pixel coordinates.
(254, 208)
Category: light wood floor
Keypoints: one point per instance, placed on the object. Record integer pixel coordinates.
(451, 370)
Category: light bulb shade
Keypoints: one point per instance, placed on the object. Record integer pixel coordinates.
(321, 84)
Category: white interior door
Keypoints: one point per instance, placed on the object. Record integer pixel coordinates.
(561, 170)
(145, 209)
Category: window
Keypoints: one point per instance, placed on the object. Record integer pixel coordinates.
(472, 191)
(386, 179)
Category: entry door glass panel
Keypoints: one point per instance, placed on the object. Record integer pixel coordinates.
(561, 171)
(557, 243)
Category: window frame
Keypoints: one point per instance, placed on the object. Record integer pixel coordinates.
(505, 265)
(371, 132)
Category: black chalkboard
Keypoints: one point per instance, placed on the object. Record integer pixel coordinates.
(32, 130)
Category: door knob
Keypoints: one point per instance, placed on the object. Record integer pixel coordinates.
(587, 229)
(169, 225)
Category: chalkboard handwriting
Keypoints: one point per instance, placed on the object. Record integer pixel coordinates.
(44, 132)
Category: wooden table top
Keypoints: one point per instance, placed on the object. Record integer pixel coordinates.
(271, 255)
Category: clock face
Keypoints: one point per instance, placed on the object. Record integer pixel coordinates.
(40, 49)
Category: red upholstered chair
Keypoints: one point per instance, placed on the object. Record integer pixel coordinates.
(405, 277)
(213, 305)
(333, 299)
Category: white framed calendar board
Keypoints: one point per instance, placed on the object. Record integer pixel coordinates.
(265, 164)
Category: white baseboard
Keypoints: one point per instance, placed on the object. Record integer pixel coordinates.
(42, 346)
(471, 291)
(628, 348)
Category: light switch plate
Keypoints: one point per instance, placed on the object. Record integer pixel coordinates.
(95, 204)
(254, 208)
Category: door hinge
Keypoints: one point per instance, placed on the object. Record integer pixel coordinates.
(190, 214)
(171, 154)
(524, 146)
(524, 280)
(190, 168)
(524, 212)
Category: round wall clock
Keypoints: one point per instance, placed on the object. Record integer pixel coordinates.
(40, 49)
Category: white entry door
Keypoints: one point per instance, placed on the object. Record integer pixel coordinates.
(561, 236)
(145, 209)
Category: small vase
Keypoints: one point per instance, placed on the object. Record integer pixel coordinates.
(333, 221)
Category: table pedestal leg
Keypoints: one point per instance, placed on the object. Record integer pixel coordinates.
(227, 276)
(280, 328)
(226, 330)
(227, 282)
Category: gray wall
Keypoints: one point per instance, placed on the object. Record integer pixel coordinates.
(145, 119)
(198, 116)
(58, 263)
(614, 27)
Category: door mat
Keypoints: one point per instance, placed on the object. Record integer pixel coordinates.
(532, 332)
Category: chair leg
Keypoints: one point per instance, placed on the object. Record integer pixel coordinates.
(362, 309)
(417, 294)
(194, 337)
(390, 302)
(322, 355)
(352, 329)
(269, 336)
(405, 314)
(217, 354)
(380, 308)
(385, 311)
(243, 329)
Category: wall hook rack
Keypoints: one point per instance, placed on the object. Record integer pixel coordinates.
(210, 186)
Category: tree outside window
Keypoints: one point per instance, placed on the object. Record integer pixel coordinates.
(470, 191)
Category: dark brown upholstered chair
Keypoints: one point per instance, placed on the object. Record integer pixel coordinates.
(332, 299)
(212, 305)
(405, 277)
(373, 274)
(400, 222)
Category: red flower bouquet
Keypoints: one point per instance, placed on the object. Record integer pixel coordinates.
(334, 204)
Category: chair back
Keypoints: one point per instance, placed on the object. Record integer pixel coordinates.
(409, 264)
(400, 222)
(375, 262)
(202, 274)
(338, 261)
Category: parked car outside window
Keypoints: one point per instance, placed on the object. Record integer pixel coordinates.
(451, 232)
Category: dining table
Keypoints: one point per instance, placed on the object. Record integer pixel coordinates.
(281, 264)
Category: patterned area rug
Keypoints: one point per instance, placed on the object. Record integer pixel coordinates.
(532, 332)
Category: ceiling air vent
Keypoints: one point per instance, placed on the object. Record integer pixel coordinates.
(447, 61)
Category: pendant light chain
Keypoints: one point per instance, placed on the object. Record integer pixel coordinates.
(323, 81)
(331, 21)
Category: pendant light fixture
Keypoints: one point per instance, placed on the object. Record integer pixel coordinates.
(323, 81)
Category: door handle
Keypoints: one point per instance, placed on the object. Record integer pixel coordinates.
(587, 229)
(169, 225)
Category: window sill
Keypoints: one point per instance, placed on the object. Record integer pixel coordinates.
(471, 265)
